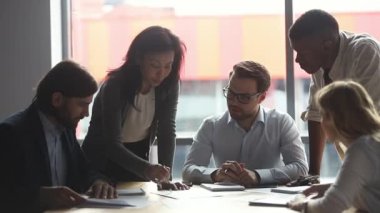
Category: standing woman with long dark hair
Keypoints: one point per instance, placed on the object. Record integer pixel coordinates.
(135, 106)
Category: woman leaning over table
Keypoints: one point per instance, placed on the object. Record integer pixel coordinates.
(348, 117)
(136, 105)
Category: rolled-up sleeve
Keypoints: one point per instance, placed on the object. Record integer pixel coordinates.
(312, 113)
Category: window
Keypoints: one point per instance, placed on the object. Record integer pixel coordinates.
(218, 34)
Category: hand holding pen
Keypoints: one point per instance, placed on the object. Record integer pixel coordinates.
(158, 173)
(161, 176)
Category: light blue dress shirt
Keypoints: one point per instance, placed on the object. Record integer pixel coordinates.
(57, 157)
(272, 147)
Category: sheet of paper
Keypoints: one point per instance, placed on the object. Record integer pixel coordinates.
(289, 190)
(196, 193)
(94, 202)
(274, 200)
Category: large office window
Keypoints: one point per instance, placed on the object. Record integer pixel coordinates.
(218, 34)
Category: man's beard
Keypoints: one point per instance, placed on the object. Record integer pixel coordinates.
(239, 114)
(63, 117)
(236, 113)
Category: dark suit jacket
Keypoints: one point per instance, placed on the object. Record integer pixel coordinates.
(25, 161)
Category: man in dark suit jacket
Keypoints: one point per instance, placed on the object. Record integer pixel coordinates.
(42, 164)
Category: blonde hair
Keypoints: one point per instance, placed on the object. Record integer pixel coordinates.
(351, 110)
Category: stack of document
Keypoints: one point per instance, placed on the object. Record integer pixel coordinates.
(222, 186)
(94, 202)
(114, 203)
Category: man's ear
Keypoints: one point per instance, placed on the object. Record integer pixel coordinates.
(262, 97)
(328, 45)
(57, 99)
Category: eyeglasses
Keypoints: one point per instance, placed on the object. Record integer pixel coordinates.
(243, 98)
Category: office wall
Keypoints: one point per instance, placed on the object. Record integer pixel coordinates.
(24, 51)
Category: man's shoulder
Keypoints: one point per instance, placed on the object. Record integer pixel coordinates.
(275, 114)
(15, 119)
(358, 40)
(215, 121)
(217, 118)
(20, 120)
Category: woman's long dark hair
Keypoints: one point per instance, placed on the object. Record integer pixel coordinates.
(153, 39)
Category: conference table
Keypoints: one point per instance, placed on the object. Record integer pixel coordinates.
(194, 200)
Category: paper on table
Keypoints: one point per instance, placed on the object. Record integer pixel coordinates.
(289, 190)
(194, 192)
(105, 202)
(275, 201)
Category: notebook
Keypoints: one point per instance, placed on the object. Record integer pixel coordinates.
(130, 192)
(272, 201)
(219, 187)
(93, 202)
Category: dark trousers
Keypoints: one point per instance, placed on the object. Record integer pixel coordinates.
(118, 173)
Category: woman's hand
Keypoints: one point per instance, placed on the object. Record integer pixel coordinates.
(158, 173)
(299, 203)
(172, 186)
(318, 189)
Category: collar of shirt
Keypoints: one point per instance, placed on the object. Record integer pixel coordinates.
(50, 127)
(259, 118)
(334, 72)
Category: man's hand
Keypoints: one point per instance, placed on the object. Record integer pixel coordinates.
(229, 172)
(101, 189)
(248, 178)
(59, 197)
(234, 172)
(158, 173)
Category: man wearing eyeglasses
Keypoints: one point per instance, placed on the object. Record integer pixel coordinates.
(251, 145)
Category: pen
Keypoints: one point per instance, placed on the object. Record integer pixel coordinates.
(163, 195)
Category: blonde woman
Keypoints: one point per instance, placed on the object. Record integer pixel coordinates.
(350, 118)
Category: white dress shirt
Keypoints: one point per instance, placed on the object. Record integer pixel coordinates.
(272, 147)
(57, 158)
